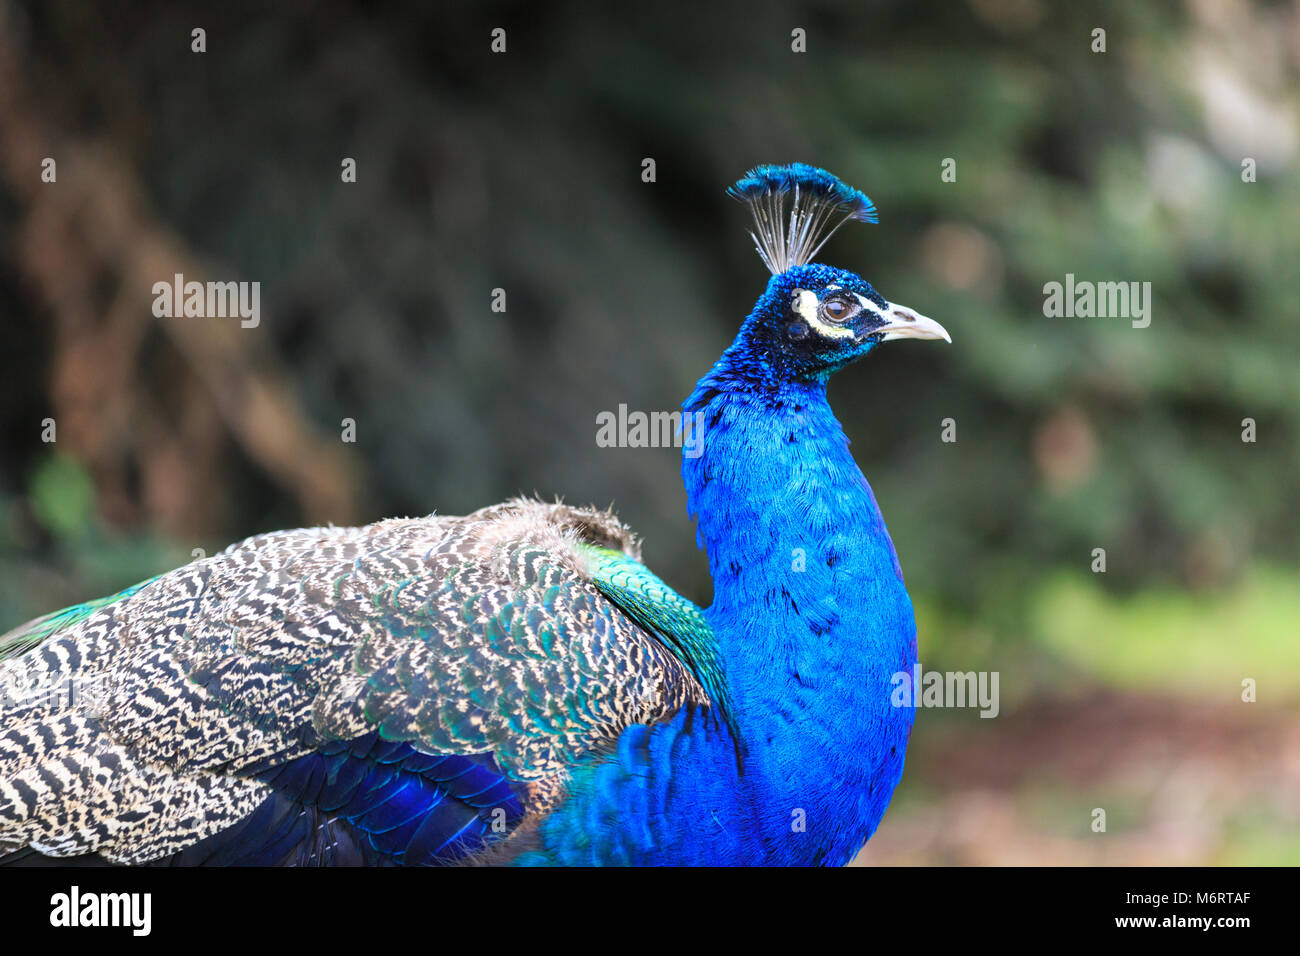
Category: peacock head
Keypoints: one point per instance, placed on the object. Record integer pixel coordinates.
(813, 319)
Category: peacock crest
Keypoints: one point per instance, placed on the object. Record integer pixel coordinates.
(819, 204)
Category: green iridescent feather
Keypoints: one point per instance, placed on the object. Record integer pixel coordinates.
(645, 598)
(22, 639)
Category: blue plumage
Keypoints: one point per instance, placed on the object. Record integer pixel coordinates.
(372, 802)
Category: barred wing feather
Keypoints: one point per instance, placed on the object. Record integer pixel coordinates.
(405, 692)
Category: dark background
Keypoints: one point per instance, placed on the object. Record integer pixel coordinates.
(522, 171)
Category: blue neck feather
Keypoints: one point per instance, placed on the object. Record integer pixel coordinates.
(809, 605)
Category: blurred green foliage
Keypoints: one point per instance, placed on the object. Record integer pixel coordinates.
(1192, 643)
(62, 496)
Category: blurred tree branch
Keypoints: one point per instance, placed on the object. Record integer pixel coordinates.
(92, 249)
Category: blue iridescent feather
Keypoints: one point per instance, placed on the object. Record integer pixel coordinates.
(814, 182)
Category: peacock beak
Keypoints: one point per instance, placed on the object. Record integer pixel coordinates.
(902, 323)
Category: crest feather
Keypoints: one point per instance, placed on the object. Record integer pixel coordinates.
(820, 204)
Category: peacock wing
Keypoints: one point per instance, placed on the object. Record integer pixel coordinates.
(394, 693)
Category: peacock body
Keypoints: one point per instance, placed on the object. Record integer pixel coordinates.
(513, 685)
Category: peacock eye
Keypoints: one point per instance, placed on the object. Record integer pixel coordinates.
(836, 310)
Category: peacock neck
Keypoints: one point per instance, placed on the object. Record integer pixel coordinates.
(809, 606)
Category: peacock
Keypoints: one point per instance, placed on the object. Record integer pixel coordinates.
(513, 685)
